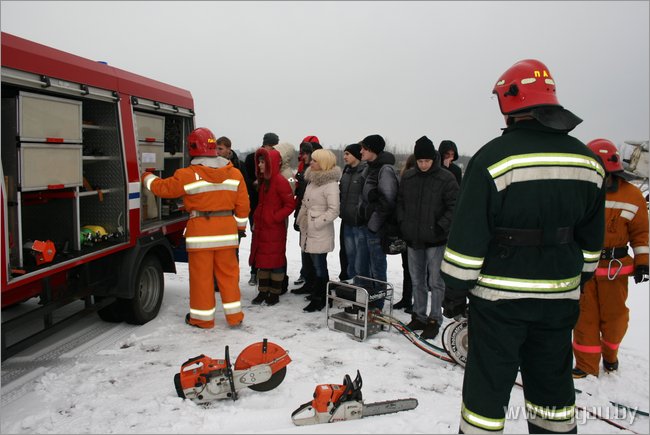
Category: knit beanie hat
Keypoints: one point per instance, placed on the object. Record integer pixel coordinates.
(270, 139)
(374, 143)
(355, 150)
(424, 149)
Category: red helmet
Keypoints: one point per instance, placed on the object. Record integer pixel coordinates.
(201, 142)
(608, 154)
(526, 84)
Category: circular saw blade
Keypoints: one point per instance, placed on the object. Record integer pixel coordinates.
(455, 340)
(275, 380)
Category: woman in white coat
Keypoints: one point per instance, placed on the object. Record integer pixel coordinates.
(320, 207)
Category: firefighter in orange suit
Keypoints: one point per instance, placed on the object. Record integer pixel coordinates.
(603, 315)
(214, 193)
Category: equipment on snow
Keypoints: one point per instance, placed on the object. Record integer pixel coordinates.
(455, 341)
(261, 366)
(360, 299)
(334, 402)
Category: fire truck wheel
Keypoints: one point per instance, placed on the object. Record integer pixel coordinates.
(110, 313)
(148, 295)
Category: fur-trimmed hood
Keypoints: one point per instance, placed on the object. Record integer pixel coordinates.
(320, 178)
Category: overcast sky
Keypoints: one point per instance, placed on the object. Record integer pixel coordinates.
(344, 70)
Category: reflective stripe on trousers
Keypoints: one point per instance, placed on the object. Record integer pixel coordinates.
(204, 267)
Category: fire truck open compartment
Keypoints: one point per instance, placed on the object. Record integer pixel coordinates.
(59, 185)
(67, 175)
(78, 229)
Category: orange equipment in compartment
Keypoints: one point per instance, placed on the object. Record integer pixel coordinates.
(43, 251)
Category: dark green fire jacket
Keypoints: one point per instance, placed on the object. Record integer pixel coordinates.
(536, 178)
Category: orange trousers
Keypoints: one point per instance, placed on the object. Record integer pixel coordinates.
(602, 323)
(204, 266)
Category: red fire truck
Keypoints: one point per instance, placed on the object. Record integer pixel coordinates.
(76, 224)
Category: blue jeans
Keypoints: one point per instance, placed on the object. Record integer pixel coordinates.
(423, 264)
(356, 248)
(320, 265)
(375, 263)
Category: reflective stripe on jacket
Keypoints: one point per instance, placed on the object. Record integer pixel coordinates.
(531, 177)
(205, 188)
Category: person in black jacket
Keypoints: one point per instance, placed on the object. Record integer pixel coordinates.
(448, 155)
(425, 205)
(377, 206)
(351, 186)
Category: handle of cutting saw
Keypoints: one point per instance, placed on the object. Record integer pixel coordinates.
(193, 360)
(230, 375)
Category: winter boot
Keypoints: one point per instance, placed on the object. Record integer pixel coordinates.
(317, 296)
(272, 299)
(430, 330)
(277, 281)
(305, 289)
(610, 367)
(415, 324)
(285, 284)
(263, 285)
(300, 280)
(261, 297)
(406, 303)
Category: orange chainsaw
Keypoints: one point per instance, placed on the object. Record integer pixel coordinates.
(260, 367)
(333, 402)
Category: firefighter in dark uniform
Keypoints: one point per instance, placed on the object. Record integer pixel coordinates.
(527, 231)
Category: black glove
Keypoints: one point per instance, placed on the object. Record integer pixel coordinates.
(242, 233)
(296, 227)
(452, 308)
(641, 274)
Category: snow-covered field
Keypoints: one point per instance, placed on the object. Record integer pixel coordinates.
(121, 381)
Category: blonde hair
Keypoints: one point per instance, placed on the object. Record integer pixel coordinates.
(325, 158)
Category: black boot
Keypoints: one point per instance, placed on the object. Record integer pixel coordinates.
(305, 289)
(272, 298)
(315, 305)
(285, 284)
(430, 330)
(263, 286)
(277, 281)
(261, 297)
(317, 296)
(416, 324)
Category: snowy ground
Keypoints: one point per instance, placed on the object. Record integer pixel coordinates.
(106, 378)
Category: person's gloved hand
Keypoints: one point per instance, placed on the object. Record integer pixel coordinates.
(452, 308)
(242, 233)
(641, 274)
(295, 226)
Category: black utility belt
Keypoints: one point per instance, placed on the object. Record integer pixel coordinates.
(610, 253)
(532, 237)
(198, 213)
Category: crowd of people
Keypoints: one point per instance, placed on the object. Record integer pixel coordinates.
(529, 244)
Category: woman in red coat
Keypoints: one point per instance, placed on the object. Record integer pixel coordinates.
(276, 203)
